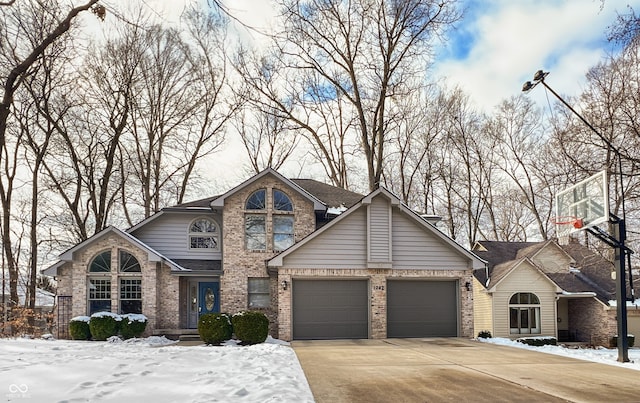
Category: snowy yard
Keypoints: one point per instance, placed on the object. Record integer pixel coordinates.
(601, 355)
(150, 370)
(156, 370)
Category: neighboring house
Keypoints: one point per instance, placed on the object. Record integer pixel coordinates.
(320, 261)
(546, 289)
(44, 299)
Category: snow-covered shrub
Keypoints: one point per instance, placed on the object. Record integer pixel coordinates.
(104, 325)
(132, 325)
(484, 334)
(79, 328)
(214, 328)
(631, 341)
(250, 327)
(538, 341)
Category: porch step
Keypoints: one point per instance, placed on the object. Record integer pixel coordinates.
(189, 337)
(178, 334)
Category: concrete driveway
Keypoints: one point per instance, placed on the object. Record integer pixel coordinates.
(455, 370)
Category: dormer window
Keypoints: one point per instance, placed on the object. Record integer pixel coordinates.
(203, 234)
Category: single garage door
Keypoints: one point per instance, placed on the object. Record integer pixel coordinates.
(330, 309)
(422, 308)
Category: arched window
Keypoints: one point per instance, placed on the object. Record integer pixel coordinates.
(101, 263)
(203, 234)
(257, 200)
(128, 263)
(524, 313)
(281, 201)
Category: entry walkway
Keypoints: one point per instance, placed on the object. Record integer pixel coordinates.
(455, 370)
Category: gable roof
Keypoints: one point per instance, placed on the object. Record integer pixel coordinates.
(591, 274)
(153, 256)
(317, 204)
(501, 271)
(477, 262)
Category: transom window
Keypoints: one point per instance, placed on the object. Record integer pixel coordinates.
(128, 263)
(257, 200)
(524, 313)
(203, 234)
(281, 201)
(101, 263)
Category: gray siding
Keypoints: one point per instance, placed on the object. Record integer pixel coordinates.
(414, 247)
(379, 230)
(169, 235)
(340, 246)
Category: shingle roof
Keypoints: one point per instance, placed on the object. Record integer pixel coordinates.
(330, 195)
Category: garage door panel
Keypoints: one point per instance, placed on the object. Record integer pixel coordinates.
(422, 309)
(330, 309)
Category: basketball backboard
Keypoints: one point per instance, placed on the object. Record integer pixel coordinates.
(582, 205)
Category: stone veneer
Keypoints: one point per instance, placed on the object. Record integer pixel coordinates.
(159, 287)
(240, 264)
(378, 306)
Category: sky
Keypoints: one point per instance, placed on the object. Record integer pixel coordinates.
(490, 53)
(497, 46)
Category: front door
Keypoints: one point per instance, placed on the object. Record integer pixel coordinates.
(208, 300)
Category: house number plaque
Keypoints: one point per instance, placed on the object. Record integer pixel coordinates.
(378, 288)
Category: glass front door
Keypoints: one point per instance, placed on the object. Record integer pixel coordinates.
(208, 301)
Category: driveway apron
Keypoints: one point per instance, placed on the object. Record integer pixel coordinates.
(455, 370)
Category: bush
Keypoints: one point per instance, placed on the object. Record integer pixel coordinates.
(538, 341)
(214, 328)
(250, 327)
(132, 325)
(631, 340)
(79, 328)
(104, 325)
(484, 334)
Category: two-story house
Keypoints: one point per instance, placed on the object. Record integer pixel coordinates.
(320, 261)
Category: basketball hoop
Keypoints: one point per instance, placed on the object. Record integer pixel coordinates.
(573, 221)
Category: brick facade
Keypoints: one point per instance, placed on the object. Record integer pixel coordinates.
(159, 288)
(240, 264)
(591, 321)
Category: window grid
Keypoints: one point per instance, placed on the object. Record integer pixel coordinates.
(99, 289)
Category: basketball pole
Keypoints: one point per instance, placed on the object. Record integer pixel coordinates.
(620, 231)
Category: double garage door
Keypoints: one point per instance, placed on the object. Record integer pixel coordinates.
(339, 309)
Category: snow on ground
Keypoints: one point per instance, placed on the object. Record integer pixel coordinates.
(600, 354)
(153, 369)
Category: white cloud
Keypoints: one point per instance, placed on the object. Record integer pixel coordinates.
(512, 40)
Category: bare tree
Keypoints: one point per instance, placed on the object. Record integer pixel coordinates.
(361, 54)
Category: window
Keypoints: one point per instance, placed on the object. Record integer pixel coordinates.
(255, 232)
(282, 232)
(257, 200)
(281, 201)
(203, 234)
(99, 295)
(101, 263)
(524, 313)
(130, 295)
(264, 230)
(259, 293)
(102, 279)
(128, 263)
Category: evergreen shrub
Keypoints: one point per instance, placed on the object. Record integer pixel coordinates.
(214, 328)
(538, 341)
(484, 334)
(79, 328)
(104, 325)
(250, 327)
(132, 325)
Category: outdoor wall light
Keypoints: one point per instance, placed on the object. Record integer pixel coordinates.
(284, 284)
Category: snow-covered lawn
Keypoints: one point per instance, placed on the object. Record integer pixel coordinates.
(601, 355)
(150, 370)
